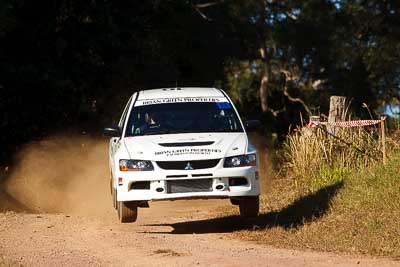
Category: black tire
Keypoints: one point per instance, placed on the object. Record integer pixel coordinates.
(127, 211)
(114, 198)
(235, 201)
(249, 206)
(111, 187)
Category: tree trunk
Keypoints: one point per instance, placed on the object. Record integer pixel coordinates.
(337, 112)
(264, 80)
(263, 93)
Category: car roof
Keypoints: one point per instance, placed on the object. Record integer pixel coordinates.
(179, 92)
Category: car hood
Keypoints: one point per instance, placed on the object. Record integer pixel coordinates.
(175, 147)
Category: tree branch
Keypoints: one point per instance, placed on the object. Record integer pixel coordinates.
(290, 77)
(197, 7)
(202, 14)
(207, 4)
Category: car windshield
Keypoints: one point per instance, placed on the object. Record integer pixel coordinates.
(183, 118)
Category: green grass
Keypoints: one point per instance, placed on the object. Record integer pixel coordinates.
(314, 156)
(354, 212)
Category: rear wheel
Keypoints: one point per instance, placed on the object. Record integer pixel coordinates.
(127, 211)
(249, 206)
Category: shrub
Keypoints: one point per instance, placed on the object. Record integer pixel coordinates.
(317, 158)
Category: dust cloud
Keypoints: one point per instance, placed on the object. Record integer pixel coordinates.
(59, 175)
(70, 175)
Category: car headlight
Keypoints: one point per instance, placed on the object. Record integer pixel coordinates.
(135, 165)
(241, 161)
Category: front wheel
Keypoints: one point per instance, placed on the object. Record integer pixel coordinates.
(114, 198)
(127, 211)
(235, 201)
(249, 206)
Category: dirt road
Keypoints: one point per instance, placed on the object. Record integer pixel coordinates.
(71, 222)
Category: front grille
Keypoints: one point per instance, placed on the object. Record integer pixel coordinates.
(188, 165)
(176, 176)
(186, 186)
(202, 174)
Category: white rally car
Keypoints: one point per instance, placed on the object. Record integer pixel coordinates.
(181, 143)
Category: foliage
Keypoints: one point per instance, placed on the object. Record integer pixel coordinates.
(313, 49)
(316, 157)
(73, 63)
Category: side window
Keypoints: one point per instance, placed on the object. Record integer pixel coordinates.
(123, 117)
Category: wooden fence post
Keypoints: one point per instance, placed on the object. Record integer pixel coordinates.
(337, 110)
(383, 137)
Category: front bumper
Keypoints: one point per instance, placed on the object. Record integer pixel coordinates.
(157, 179)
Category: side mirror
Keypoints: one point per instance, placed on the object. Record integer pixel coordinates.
(113, 131)
(252, 125)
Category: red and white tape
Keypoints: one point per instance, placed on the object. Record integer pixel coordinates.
(358, 123)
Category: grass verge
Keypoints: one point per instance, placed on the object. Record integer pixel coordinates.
(357, 214)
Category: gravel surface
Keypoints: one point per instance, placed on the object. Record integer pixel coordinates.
(62, 216)
(154, 240)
